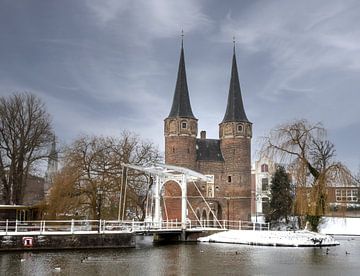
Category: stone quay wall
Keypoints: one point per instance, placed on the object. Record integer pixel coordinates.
(58, 242)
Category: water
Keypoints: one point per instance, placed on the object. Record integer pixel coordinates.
(189, 259)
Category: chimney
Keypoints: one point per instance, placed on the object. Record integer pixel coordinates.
(203, 134)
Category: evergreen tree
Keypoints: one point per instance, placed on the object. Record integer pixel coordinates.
(281, 200)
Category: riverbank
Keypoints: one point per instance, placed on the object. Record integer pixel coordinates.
(272, 238)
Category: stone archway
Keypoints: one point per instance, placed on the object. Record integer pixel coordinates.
(171, 201)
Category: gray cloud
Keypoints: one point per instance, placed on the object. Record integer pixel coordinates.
(105, 66)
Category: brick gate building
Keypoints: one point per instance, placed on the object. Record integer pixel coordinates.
(227, 159)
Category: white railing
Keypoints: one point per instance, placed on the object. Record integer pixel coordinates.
(53, 227)
(231, 225)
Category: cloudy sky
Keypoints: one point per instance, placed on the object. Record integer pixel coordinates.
(109, 65)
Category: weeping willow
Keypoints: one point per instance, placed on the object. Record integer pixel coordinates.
(310, 159)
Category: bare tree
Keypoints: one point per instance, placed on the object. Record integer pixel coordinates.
(25, 133)
(310, 158)
(92, 176)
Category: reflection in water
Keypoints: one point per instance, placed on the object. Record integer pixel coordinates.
(188, 259)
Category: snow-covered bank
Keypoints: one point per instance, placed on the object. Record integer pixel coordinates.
(272, 238)
(340, 226)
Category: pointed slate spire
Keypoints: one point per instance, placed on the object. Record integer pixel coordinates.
(52, 166)
(53, 153)
(53, 156)
(181, 103)
(235, 111)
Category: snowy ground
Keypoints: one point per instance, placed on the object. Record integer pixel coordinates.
(340, 226)
(271, 238)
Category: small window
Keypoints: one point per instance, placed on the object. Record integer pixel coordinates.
(229, 178)
(183, 125)
(188, 150)
(264, 168)
(240, 128)
(217, 188)
(264, 184)
(343, 195)
(210, 193)
(173, 149)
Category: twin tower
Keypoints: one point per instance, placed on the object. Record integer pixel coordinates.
(227, 159)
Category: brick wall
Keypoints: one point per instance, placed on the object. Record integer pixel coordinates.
(180, 151)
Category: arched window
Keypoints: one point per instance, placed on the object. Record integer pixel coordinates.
(264, 168)
(211, 219)
(198, 215)
(204, 218)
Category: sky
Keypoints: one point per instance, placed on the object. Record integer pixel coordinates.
(106, 66)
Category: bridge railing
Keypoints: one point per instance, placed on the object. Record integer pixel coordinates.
(53, 226)
(82, 226)
(44, 227)
(230, 225)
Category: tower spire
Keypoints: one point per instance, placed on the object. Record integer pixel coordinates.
(234, 45)
(181, 106)
(52, 166)
(182, 39)
(235, 111)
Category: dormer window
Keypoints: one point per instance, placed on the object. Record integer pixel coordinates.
(264, 168)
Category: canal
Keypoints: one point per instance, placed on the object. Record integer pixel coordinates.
(189, 259)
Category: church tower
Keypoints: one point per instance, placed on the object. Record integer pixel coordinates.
(52, 166)
(180, 127)
(227, 160)
(235, 133)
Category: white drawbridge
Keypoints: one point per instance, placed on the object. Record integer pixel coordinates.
(162, 174)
